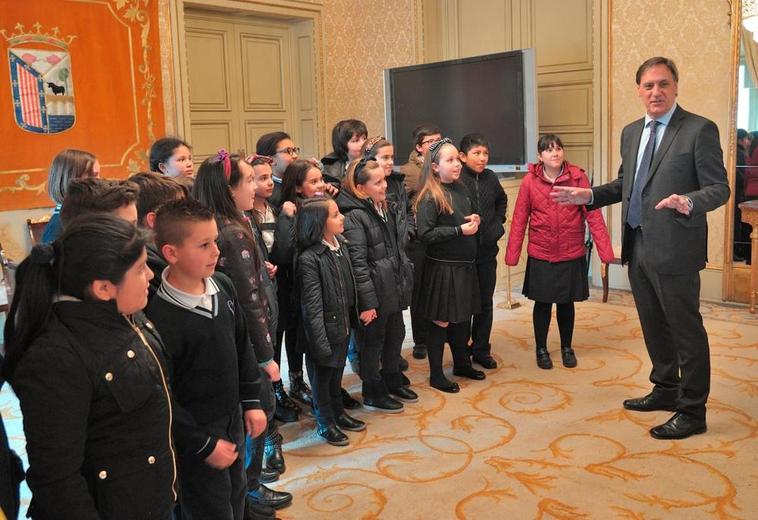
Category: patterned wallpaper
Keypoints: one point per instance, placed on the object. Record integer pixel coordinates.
(696, 35)
(362, 39)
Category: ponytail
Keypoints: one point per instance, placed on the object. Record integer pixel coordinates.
(92, 247)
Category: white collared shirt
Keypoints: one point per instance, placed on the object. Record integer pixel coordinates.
(663, 123)
(191, 301)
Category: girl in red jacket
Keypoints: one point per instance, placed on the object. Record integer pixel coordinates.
(556, 270)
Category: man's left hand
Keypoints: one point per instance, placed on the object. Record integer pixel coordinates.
(677, 202)
(255, 422)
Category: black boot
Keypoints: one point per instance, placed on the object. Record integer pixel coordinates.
(287, 410)
(543, 358)
(299, 389)
(568, 357)
(272, 455)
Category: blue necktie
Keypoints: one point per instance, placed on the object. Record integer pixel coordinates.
(634, 215)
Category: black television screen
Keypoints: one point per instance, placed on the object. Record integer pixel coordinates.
(492, 95)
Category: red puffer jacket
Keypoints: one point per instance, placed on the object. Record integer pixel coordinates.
(556, 233)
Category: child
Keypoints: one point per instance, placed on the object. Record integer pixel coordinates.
(67, 166)
(348, 137)
(556, 270)
(447, 226)
(491, 202)
(267, 228)
(375, 236)
(225, 183)
(327, 295)
(154, 191)
(172, 157)
(93, 195)
(88, 370)
(214, 376)
(423, 136)
(278, 146)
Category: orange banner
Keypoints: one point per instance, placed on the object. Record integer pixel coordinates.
(79, 74)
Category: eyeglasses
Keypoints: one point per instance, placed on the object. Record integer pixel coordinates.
(293, 150)
(429, 141)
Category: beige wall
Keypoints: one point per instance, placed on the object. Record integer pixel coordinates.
(696, 35)
(362, 39)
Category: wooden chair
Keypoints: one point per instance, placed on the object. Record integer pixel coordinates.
(36, 228)
(604, 272)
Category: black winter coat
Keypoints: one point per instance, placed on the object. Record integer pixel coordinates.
(491, 202)
(334, 169)
(326, 316)
(397, 196)
(383, 273)
(97, 417)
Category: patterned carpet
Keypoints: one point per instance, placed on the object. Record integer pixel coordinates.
(528, 443)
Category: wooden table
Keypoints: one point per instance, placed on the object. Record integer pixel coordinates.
(750, 216)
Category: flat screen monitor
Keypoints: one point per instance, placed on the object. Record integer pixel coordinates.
(494, 95)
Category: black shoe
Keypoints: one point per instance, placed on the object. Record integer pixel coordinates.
(268, 475)
(333, 435)
(272, 453)
(404, 394)
(348, 402)
(446, 386)
(680, 426)
(299, 389)
(486, 361)
(404, 381)
(469, 372)
(543, 358)
(264, 496)
(651, 402)
(403, 365)
(286, 410)
(419, 351)
(350, 424)
(383, 403)
(255, 511)
(569, 357)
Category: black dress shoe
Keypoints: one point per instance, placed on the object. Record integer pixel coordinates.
(650, 403)
(272, 452)
(419, 351)
(333, 435)
(485, 361)
(255, 511)
(268, 497)
(404, 394)
(350, 424)
(680, 426)
(404, 381)
(348, 402)
(543, 358)
(268, 475)
(383, 403)
(446, 386)
(469, 372)
(569, 357)
(403, 364)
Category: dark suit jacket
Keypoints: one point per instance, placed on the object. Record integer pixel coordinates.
(688, 161)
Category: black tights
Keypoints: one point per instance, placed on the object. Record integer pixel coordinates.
(541, 319)
(457, 335)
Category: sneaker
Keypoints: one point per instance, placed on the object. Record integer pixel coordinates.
(383, 403)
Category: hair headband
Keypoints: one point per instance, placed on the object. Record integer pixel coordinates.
(255, 157)
(369, 146)
(436, 146)
(362, 165)
(223, 156)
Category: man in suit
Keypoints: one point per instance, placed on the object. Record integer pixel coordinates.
(672, 173)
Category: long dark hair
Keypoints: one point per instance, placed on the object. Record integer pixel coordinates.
(311, 221)
(92, 247)
(294, 176)
(213, 189)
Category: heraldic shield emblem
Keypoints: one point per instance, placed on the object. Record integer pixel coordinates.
(42, 84)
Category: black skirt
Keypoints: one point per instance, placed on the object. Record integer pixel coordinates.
(449, 291)
(558, 282)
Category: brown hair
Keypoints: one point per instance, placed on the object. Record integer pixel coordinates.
(351, 181)
(172, 219)
(85, 196)
(431, 184)
(154, 190)
(67, 166)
